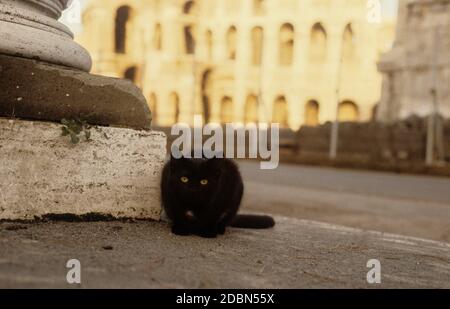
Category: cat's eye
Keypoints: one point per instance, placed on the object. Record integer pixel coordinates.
(184, 179)
(204, 182)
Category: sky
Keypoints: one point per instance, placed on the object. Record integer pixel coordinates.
(389, 8)
(72, 16)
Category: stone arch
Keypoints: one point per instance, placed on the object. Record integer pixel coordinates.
(280, 112)
(231, 43)
(226, 110)
(312, 108)
(348, 45)
(286, 44)
(318, 43)
(257, 45)
(251, 109)
(207, 90)
(123, 15)
(189, 40)
(130, 74)
(189, 7)
(348, 111)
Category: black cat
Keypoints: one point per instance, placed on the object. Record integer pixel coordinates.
(203, 196)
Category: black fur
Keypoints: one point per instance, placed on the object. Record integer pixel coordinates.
(207, 209)
(252, 222)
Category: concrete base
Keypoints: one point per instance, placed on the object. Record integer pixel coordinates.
(295, 254)
(116, 173)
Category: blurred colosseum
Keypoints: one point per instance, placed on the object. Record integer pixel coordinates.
(295, 62)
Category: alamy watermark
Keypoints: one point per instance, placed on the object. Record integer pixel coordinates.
(374, 274)
(74, 274)
(232, 140)
(374, 11)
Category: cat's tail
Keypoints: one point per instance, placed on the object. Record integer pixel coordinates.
(252, 222)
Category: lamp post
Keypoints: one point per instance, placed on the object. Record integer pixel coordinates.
(432, 118)
(334, 139)
(30, 29)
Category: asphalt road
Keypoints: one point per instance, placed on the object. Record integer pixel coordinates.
(399, 186)
(404, 204)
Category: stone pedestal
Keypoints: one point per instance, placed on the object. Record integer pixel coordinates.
(43, 79)
(30, 29)
(115, 174)
(41, 91)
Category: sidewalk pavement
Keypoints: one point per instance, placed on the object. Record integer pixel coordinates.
(295, 254)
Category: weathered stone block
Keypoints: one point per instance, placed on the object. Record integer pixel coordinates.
(26, 86)
(116, 173)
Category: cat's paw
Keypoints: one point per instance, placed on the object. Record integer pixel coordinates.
(221, 230)
(180, 230)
